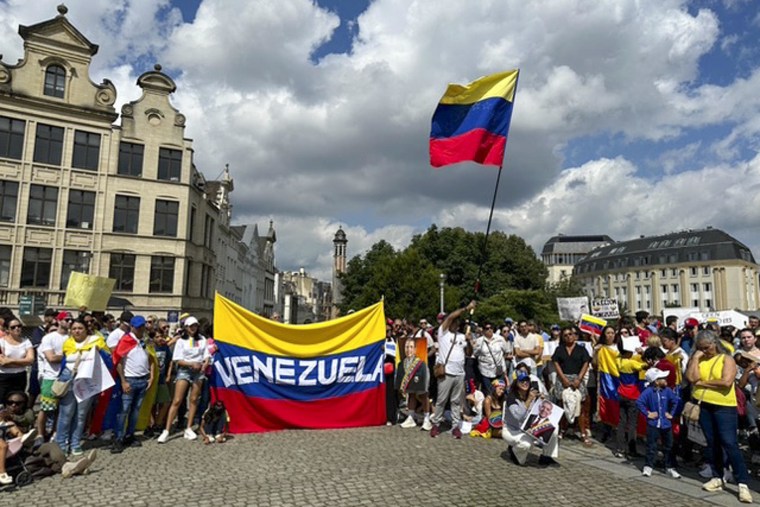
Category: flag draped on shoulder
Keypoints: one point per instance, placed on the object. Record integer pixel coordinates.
(471, 121)
(275, 376)
(608, 382)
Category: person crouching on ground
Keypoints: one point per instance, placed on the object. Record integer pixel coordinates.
(519, 401)
(215, 423)
(658, 403)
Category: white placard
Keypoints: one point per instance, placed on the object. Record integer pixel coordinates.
(92, 376)
(605, 308)
(631, 343)
(571, 309)
(550, 347)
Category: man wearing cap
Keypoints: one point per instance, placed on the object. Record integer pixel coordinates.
(136, 375)
(114, 336)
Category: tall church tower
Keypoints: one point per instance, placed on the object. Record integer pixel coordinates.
(339, 266)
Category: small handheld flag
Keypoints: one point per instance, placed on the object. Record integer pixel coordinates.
(471, 121)
(592, 325)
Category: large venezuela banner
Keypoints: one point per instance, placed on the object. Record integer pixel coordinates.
(274, 376)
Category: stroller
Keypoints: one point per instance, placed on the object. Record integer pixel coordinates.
(15, 463)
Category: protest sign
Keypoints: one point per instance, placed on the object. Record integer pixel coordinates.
(92, 376)
(572, 308)
(88, 291)
(605, 308)
(631, 343)
(541, 421)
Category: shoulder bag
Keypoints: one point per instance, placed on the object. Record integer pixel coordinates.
(61, 387)
(691, 410)
(439, 370)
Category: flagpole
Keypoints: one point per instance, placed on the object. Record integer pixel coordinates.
(484, 253)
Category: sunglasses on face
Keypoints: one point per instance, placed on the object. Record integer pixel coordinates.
(14, 327)
(15, 402)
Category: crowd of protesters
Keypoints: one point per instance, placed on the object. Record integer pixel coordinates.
(694, 385)
(687, 393)
(159, 373)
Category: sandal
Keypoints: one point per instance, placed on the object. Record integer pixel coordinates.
(587, 441)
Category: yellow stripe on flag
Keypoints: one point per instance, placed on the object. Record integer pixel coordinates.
(501, 85)
(237, 326)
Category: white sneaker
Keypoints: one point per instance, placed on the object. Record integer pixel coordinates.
(163, 437)
(728, 476)
(714, 484)
(409, 422)
(647, 472)
(426, 424)
(673, 473)
(706, 471)
(190, 434)
(744, 495)
(107, 435)
(5, 479)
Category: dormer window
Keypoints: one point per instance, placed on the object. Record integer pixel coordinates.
(55, 81)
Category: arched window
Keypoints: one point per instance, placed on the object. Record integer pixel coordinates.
(55, 81)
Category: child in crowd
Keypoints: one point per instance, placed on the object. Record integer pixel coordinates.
(215, 423)
(629, 366)
(658, 403)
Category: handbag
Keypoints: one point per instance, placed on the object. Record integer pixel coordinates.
(695, 433)
(692, 410)
(439, 370)
(61, 387)
(499, 367)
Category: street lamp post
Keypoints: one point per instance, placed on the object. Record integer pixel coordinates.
(441, 284)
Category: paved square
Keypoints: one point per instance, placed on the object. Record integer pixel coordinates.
(365, 466)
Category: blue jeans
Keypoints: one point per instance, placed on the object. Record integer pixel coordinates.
(720, 425)
(666, 435)
(130, 406)
(72, 419)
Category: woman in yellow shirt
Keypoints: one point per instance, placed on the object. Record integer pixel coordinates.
(72, 415)
(712, 372)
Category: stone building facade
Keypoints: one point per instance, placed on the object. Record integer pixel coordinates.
(80, 193)
(706, 269)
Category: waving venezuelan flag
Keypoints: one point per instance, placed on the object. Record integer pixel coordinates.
(275, 376)
(471, 121)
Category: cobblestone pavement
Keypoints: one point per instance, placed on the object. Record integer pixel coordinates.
(366, 466)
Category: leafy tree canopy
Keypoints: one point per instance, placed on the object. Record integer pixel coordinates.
(512, 279)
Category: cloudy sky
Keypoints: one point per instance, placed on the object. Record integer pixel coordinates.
(631, 117)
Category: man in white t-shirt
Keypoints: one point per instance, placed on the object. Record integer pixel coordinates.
(49, 357)
(136, 375)
(114, 336)
(528, 348)
(452, 351)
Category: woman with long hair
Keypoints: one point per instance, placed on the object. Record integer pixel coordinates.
(16, 353)
(191, 356)
(519, 401)
(72, 414)
(712, 372)
(572, 361)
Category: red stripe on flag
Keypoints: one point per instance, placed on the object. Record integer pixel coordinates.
(256, 415)
(477, 145)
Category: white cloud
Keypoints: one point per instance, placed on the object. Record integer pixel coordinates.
(345, 140)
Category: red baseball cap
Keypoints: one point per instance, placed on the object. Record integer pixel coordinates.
(64, 316)
(691, 322)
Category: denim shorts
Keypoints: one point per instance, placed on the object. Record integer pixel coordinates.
(190, 375)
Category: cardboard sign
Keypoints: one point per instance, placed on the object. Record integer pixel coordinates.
(571, 309)
(92, 376)
(88, 291)
(631, 343)
(605, 308)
